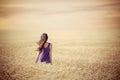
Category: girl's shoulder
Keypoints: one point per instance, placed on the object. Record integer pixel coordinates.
(50, 44)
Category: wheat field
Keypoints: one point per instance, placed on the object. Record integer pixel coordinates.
(77, 55)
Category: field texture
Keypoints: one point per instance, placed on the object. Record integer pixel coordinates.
(77, 55)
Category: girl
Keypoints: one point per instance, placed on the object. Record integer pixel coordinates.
(44, 50)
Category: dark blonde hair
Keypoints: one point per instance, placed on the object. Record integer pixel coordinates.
(42, 41)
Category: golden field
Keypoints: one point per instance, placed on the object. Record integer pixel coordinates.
(77, 55)
(85, 35)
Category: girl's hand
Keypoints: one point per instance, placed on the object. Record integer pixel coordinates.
(35, 62)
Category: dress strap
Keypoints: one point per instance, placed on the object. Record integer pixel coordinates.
(48, 44)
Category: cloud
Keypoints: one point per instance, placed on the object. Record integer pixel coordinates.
(7, 11)
(93, 13)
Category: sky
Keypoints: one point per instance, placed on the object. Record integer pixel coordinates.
(59, 14)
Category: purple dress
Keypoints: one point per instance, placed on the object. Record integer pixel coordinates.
(45, 55)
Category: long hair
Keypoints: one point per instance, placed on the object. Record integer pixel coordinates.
(42, 41)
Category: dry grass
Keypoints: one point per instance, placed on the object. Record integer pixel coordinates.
(77, 55)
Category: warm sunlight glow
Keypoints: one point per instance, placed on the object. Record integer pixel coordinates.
(59, 15)
(85, 38)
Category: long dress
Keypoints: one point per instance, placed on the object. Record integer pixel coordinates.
(45, 55)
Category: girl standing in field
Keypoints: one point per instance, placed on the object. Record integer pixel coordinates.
(44, 50)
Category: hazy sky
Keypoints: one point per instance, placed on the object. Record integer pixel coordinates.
(59, 14)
